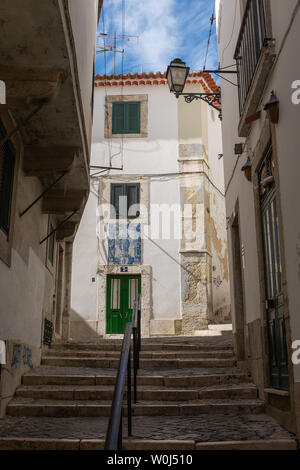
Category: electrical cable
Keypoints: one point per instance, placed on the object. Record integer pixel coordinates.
(212, 19)
(226, 79)
(105, 82)
(231, 35)
(168, 175)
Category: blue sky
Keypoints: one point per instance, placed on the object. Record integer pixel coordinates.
(165, 28)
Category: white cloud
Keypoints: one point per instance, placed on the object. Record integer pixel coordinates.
(154, 22)
(166, 29)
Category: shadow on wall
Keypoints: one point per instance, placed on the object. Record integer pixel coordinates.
(82, 329)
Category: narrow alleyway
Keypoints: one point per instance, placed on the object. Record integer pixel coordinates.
(191, 396)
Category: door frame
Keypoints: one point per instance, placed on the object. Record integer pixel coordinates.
(267, 137)
(146, 298)
(238, 286)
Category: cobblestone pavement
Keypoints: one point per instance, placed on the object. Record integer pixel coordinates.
(204, 428)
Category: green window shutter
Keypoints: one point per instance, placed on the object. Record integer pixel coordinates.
(126, 118)
(133, 118)
(116, 193)
(122, 194)
(118, 118)
(133, 199)
(7, 166)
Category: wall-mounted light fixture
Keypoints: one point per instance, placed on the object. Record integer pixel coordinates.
(177, 74)
(272, 108)
(238, 149)
(247, 169)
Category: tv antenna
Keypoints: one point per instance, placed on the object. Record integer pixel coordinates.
(111, 46)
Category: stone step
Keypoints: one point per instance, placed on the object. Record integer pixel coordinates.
(100, 392)
(221, 327)
(25, 443)
(207, 333)
(144, 363)
(228, 354)
(56, 378)
(116, 346)
(64, 408)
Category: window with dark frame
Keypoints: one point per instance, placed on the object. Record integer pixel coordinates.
(7, 168)
(125, 198)
(126, 117)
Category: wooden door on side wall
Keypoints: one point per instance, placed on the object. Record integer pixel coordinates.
(278, 357)
(122, 291)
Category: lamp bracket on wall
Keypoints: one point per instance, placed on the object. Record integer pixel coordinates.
(213, 99)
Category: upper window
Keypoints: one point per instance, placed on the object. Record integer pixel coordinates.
(250, 43)
(125, 198)
(7, 166)
(126, 117)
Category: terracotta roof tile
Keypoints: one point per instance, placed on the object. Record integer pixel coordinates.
(136, 79)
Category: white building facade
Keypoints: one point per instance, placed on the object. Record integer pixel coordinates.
(155, 223)
(262, 198)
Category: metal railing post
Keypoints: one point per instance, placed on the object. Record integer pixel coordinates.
(129, 409)
(114, 434)
(135, 363)
(120, 435)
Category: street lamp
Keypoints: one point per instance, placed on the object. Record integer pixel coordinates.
(177, 74)
(272, 108)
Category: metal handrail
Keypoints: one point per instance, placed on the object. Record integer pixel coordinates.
(113, 440)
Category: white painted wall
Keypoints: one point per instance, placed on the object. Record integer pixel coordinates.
(84, 18)
(235, 183)
(85, 264)
(155, 154)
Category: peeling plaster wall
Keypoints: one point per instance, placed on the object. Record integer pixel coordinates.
(217, 221)
(200, 143)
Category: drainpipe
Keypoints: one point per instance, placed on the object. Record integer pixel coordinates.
(67, 302)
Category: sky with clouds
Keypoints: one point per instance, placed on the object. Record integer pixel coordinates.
(165, 28)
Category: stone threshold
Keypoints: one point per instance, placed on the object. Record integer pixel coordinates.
(276, 391)
(12, 443)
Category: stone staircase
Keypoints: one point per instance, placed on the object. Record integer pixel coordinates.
(191, 395)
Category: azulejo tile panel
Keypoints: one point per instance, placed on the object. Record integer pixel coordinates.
(124, 244)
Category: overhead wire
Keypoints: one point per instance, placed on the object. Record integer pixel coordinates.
(105, 83)
(231, 35)
(212, 19)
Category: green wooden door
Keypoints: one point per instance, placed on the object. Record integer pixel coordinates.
(122, 291)
(278, 356)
